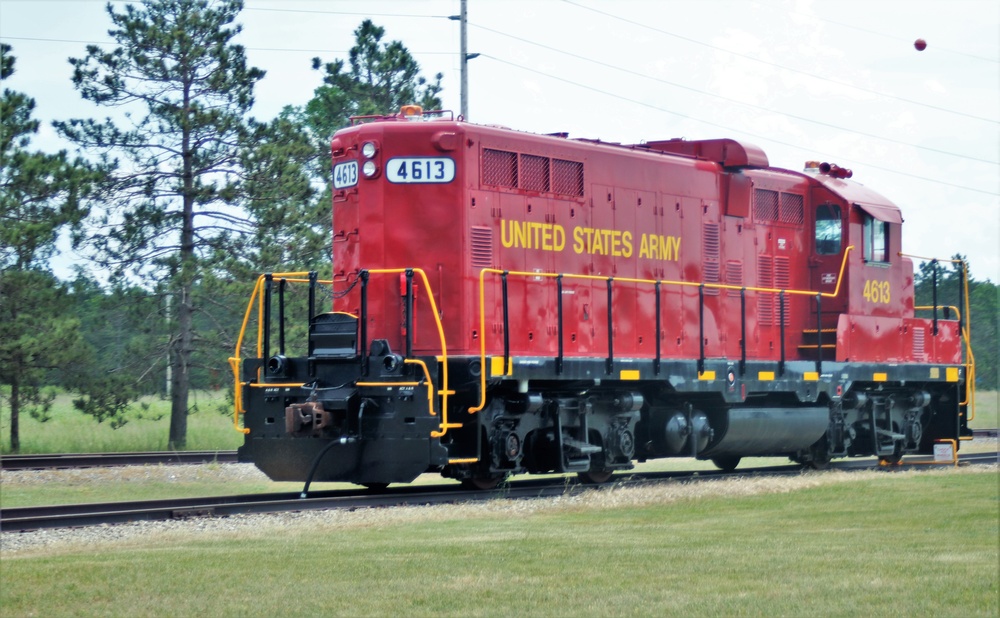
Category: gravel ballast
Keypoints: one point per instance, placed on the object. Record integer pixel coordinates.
(96, 538)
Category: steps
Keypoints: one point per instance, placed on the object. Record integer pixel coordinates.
(825, 340)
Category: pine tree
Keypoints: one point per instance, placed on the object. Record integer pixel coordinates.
(378, 78)
(40, 196)
(185, 89)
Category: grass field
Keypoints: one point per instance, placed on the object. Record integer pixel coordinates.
(70, 431)
(825, 544)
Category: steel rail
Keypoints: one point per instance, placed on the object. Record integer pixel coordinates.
(21, 519)
(95, 460)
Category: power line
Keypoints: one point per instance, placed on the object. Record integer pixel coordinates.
(736, 101)
(727, 128)
(269, 49)
(781, 66)
(368, 14)
(892, 37)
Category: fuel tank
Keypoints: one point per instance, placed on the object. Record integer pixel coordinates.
(768, 431)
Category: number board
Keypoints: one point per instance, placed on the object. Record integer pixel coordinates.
(345, 175)
(412, 170)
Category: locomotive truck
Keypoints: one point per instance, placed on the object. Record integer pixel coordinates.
(507, 303)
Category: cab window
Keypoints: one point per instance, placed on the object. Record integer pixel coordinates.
(828, 229)
(876, 240)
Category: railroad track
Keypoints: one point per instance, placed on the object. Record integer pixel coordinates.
(94, 460)
(78, 515)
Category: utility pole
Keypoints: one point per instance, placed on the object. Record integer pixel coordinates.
(463, 19)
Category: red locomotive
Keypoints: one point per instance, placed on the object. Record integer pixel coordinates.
(509, 303)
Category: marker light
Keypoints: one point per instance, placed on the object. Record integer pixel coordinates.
(368, 149)
(369, 169)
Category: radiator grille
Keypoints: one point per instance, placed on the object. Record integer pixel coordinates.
(772, 206)
(567, 177)
(533, 174)
(502, 168)
(499, 168)
(765, 205)
(791, 208)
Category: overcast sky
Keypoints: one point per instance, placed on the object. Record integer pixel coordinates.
(805, 80)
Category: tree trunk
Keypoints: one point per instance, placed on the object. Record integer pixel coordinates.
(15, 414)
(184, 341)
(180, 361)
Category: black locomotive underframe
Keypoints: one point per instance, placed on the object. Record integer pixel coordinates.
(369, 422)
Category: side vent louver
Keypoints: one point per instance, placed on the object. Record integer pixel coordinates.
(482, 247)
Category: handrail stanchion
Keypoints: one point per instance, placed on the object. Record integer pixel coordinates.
(506, 322)
(559, 322)
(312, 295)
(656, 363)
(364, 322)
(781, 331)
(266, 325)
(819, 333)
(611, 331)
(743, 331)
(701, 328)
(281, 315)
(408, 313)
(934, 284)
(961, 295)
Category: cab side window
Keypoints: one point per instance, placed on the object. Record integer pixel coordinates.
(876, 240)
(828, 229)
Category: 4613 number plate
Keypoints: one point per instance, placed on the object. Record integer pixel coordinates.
(420, 170)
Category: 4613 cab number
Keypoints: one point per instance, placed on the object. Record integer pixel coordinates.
(345, 175)
(876, 291)
(420, 170)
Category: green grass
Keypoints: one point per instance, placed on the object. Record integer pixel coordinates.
(71, 431)
(885, 544)
(987, 404)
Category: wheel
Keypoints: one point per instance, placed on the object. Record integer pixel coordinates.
(895, 458)
(595, 477)
(483, 483)
(727, 463)
(818, 463)
(375, 486)
(890, 460)
(819, 455)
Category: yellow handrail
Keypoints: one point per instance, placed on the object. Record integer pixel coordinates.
(298, 277)
(970, 359)
(716, 286)
(430, 382)
(443, 392)
(236, 360)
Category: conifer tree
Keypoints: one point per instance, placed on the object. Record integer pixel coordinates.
(40, 196)
(182, 89)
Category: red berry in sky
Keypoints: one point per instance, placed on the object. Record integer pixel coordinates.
(920, 44)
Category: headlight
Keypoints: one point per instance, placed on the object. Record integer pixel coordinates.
(369, 169)
(368, 149)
